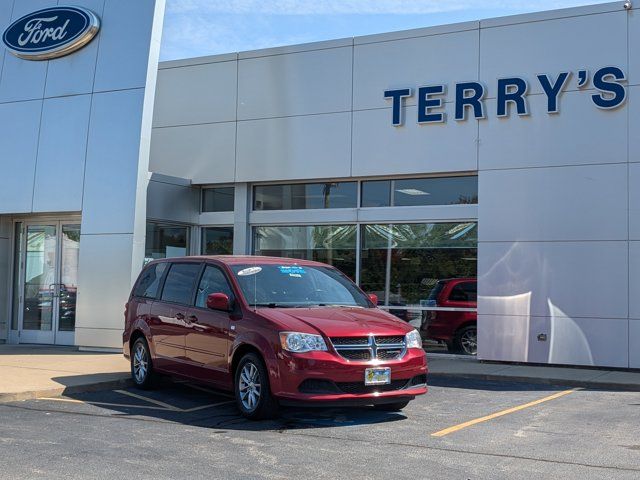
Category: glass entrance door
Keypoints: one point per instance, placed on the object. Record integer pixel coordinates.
(49, 282)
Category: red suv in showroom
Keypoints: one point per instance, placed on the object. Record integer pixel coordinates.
(275, 331)
(458, 329)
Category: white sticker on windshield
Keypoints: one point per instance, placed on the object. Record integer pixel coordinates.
(249, 271)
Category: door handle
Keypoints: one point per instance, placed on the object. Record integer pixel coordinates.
(193, 319)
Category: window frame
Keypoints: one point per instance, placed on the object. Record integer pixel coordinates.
(213, 187)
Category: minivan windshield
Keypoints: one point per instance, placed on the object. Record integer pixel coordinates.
(290, 286)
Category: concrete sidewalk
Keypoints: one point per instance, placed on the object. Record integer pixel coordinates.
(29, 371)
(468, 367)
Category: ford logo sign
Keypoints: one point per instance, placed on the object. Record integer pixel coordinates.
(51, 33)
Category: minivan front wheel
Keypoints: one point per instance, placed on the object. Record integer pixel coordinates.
(253, 395)
(141, 366)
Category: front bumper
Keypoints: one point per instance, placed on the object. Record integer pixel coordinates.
(325, 377)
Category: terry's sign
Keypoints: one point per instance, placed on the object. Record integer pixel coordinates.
(51, 33)
(510, 94)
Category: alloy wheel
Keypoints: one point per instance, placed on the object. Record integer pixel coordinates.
(250, 386)
(140, 363)
(469, 341)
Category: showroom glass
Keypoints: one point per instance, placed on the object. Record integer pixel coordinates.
(420, 191)
(402, 263)
(331, 244)
(17, 261)
(296, 286)
(166, 240)
(147, 286)
(40, 275)
(217, 240)
(212, 281)
(68, 278)
(178, 287)
(218, 199)
(305, 196)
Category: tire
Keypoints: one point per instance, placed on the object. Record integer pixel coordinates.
(142, 372)
(466, 341)
(391, 407)
(252, 391)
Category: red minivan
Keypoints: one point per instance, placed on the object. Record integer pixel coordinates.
(275, 331)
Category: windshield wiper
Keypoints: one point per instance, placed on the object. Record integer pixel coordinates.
(275, 305)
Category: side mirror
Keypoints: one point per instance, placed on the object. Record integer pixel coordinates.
(219, 301)
(374, 298)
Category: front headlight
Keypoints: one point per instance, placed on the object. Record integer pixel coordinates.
(413, 339)
(302, 342)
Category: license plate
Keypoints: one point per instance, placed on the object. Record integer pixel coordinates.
(377, 376)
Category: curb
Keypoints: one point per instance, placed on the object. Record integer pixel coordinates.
(57, 392)
(556, 382)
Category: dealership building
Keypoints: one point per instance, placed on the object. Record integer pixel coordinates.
(499, 151)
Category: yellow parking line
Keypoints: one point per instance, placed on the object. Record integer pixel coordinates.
(104, 404)
(147, 399)
(455, 428)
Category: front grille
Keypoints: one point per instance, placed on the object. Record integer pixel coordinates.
(313, 385)
(360, 387)
(350, 340)
(389, 354)
(363, 349)
(362, 355)
(388, 340)
(328, 387)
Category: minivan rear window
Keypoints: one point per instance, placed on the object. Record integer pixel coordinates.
(147, 286)
(178, 287)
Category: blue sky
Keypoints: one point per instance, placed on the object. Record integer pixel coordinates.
(206, 27)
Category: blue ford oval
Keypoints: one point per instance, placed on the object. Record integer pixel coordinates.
(51, 32)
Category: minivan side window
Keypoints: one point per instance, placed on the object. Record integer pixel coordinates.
(178, 287)
(464, 292)
(213, 281)
(147, 286)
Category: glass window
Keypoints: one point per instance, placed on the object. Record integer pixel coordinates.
(166, 241)
(217, 241)
(331, 244)
(376, 193)
(296, 285)
(464, 292)
(402, 264)
(213, 281)
(150, 281)
(218, 199)
(435, 191)
(178, 287)
(420, 191)
(305, 196)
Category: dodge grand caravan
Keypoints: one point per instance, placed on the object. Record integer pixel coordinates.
(274, 331)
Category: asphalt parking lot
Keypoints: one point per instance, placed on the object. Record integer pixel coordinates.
(462, 429)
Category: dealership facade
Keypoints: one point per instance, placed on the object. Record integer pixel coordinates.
(501, 150)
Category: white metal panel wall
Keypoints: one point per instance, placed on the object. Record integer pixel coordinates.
(75, 138)
(554, 252)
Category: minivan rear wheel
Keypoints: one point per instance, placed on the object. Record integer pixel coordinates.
(141, 365)
(253, 395)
